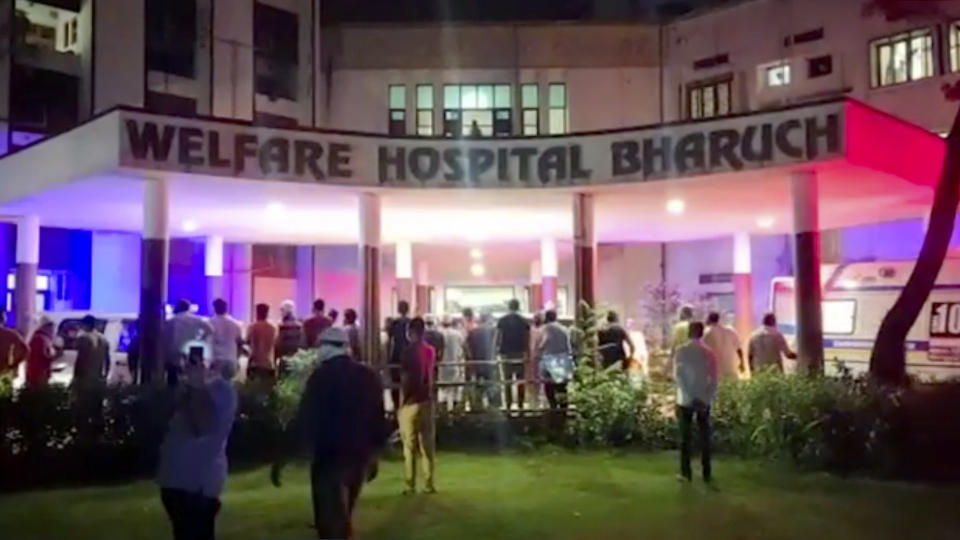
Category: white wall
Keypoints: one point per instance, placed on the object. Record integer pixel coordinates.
(118, 76)
(233, 59)
(753, 33)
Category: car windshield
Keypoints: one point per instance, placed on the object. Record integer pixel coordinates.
(69, 329)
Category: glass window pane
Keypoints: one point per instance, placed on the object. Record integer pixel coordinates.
(921, 57)
(695, 107)
(451, 96)
(558, 121)
(529, 98)
(425, 131)
(485, 97)
(708, 110)
(501, 96)
(398, 97)
(468, 96)
(397, 114)
(530, 130)
(723, 98)
(482, 121)
(900, 61)
(425, 96)
(886, 65)
(452, 115)
(955, 47)
(424, 118)
(502, 114)
(558, 95)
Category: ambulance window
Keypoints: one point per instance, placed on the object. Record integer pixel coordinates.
(839, 316)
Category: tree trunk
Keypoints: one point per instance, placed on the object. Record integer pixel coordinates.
(888, 360)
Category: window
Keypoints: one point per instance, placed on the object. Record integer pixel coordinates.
(171, 36)
(709, 99)
(397, 101)
(902, 58)
(954, 39)
(839, 316)
(777, 75)
(557, 116)
(819, 66)
(276, 45)
(530, 109)
(477, 110)
(424, 110)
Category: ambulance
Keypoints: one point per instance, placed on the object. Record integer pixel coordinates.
(857, 296)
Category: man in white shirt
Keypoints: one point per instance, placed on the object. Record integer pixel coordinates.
(227, 334)
(768, 347)
(695, 370)
(724, 343)
(179, 331)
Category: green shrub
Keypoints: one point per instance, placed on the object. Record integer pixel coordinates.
(817, 422)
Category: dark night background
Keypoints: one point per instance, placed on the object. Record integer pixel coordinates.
(366, 11)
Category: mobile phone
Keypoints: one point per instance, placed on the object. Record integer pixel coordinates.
(195, 356)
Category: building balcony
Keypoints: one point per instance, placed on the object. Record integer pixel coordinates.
(48, 59)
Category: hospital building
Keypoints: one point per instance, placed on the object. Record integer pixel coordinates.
(265, 150)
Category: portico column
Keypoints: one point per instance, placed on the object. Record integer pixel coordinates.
(241, 281)
(153, 276)
(404, 272)
(535, 299)
(742, 287)
(422, 303)
(584, 251)
(806, 260)
(213, 269)
(548, 273)
(305, 278)
(370, 276)
(25, 290)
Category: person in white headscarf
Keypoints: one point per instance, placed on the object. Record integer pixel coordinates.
(340, 420)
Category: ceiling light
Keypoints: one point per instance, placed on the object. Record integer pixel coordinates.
(476, 254)
(189, 225)
(477, 270)
(765, 222)
(676, 206)
(275, 208)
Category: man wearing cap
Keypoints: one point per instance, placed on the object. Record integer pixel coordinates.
(341, 420)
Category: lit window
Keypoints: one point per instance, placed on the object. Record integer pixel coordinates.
(397, 116)
(777, 75)
(477, 110)
(425, 110)
(530, 109)
(709, 99)
(902, 58)
(954, 32)
(557, 119)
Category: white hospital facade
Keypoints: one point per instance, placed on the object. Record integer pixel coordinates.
(277, 64)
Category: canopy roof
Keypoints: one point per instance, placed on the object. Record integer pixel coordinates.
(257, 184)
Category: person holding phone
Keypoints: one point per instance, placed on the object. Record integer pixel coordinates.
(193, 460)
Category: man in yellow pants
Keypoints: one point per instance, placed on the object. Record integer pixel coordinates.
(417, 369)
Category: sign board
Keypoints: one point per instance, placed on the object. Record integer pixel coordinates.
(736, 143)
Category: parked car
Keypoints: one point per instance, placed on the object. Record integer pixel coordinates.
(119, 329)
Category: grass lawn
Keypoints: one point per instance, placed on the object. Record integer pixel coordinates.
(567, 496)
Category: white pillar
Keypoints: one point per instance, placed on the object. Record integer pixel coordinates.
(806, 261)
(584, 251)
(27, 258)
(404, 272)
(742, 287)
(369, 216)
(241, 281)
(213, 269)
(153, 275)
(549, 271)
